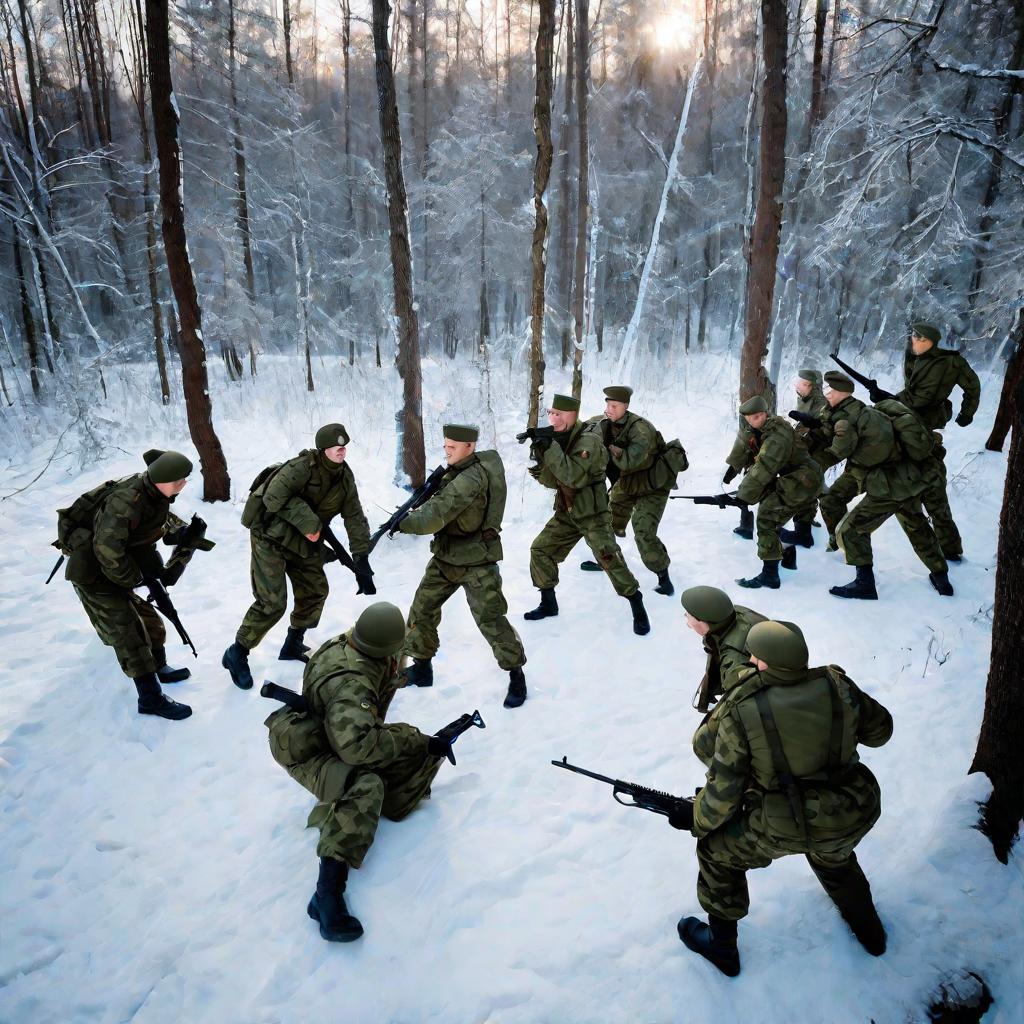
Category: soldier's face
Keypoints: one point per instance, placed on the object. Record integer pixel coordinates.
(758, 663)
(561, 420)
(920, 345)
(700, 628)
(834, 397)
(615, 410)
(802, 387)
(756, 419)
(171, 489)
(336, 453)
(456, 451)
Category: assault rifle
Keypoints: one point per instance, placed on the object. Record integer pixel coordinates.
(420, 496)
(191, 538)
(653, 800)
(158, 596)
(281, 693)
(57, 565)
(364, 576)
(535, 434)
(876, 393)
(721, 500)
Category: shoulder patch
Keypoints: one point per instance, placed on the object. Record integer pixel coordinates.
(364, 704)
(585, 454)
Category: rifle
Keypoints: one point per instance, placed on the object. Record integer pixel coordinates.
(53, 571)
(191, 538)
(451, 732)
(653, 800)
(869, 382)
(294, 700)
(158, 596)
(420, 496)
(535, 433)
(364, 580)
(721, 500)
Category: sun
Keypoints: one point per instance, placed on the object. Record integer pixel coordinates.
(673, 28)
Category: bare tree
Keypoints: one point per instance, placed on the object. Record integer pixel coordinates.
(582, 43)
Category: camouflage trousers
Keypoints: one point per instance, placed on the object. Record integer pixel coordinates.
(482, 584)
(853, 534)
(270, 568)
(836, 500)
(645, 513)
(936, 504)
(352, 801)
(562, 533)
(131, 626)
(726, 855)
(772, 514)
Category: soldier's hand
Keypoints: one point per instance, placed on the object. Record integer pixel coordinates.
(438, 746)
(730, 474)
(876, 394)
(525, 435)
(615, 450)
(681, 816)
(313, 537)
(329, 555)
(964, 420)
(364, 576)
(805, 418)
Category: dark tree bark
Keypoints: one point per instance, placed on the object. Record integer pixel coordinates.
(541, 175)
(195, 382)
(565, 190)
(286, 20)
(27, 319)
(712, 241)
(1012, 382)
(582, 43)
(817, 71)
(764, 241)
(408, 358)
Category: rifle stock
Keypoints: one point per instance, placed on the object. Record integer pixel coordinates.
(869, 382)
(281, 693)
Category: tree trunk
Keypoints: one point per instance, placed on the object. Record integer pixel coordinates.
(27, 319)
(817, 81)
(485, 315)
(582, 188)
(565, 196)
(286, 21)
(541, 174)
(712, 241)
(1006, 412)
(196, 384)
(764, 247)
(408, 357)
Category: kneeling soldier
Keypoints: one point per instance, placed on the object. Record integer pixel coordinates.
(357, 766)
(783, 778)
(464, 515)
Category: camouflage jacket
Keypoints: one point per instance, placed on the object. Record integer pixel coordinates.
(775, 457)
(813, 404)
(576, 473)
(928, 380)
(303, 496)
(726, 647)
(633, 448)
(456, 514)
(741, 774)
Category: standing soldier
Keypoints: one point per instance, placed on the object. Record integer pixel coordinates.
(930, 373)
(288, 508)
(358, 766)
(783, 778)
(781, 479)
(642, 469)
(810, 401)
(464, 515)
(571, 459)
(723, 628)
(109, 536)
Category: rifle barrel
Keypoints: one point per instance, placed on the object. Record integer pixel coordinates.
(564, 763)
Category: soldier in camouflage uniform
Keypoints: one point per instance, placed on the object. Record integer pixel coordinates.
(287, 509)
(464, 515)
(783, 778)
(810, 401)
(930, 373)
(358, 766)
(572, 462)
(641, 471)
(781, 478)
(723, 628)
(109, 537)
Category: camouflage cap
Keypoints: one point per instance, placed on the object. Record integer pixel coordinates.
(565, 403)
(461, 432)
(331, 435)
(809, 375)
(839, 382)
(168, 467)
(618, 393)
(707, 604)
(380, 630)
(778, 645)
(150, 456)
(929, 331)
(753, 406)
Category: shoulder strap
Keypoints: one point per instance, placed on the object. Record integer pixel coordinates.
(779, 761)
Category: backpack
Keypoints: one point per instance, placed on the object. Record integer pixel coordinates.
(253, 508)
(496, 492)
(75, 523)
(913, 439)
(876, 438)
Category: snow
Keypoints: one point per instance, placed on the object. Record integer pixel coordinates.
(159, 872)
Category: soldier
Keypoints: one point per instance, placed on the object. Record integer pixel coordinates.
(781, 478)
(464, 515)
(810, 401)
(109, 536)
(642, 469)
(723, 628)
(358, 766)
(288, 507)
(930, 373)
(572, 462)
(783, 778)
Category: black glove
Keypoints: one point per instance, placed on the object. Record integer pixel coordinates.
(193, 533)
(329, 555)
(729, 499)
(730, 474)
(526, 435)
(440, 744)
(541, 444)
(438, 747)
(964, 420)
(149, 560)
(876, 394)
(681, 816)
(806, 419)
(364, 576)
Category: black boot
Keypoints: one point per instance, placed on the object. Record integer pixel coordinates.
(801, 535)
(236, 661)
(420, 673)
(641, 624)
(866, 926)
(591, 566)
(328, 903)
(788, 555)
(715, 941)
(940, 581)
(767, 577)
(153, 701)
(863, 586)
(516, 688)
(546, 609)
(293, 649)
(957, 556)
(664, 584)
(746, 527)
(164, 671)
(833, 544)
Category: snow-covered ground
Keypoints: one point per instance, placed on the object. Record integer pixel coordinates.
(159, 872)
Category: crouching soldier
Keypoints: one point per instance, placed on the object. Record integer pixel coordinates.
(783, 778)
(109, 536)
(358, 766)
